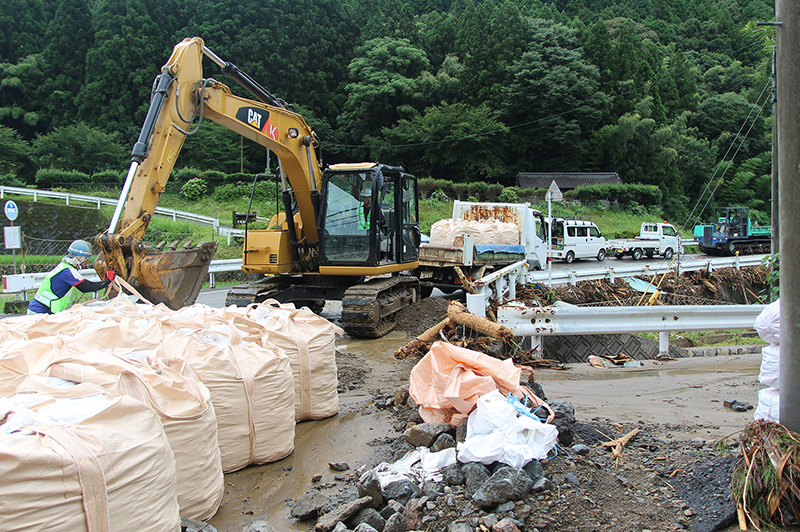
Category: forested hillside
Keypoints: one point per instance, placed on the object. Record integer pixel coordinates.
(673, 93)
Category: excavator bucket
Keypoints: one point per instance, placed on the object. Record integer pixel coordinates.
(172, 277)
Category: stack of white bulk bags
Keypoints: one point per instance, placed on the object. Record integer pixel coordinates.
(768, 325)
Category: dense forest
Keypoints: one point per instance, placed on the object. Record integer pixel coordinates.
(673, 93)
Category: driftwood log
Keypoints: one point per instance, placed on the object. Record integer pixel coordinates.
(459, 314)
(422, 341)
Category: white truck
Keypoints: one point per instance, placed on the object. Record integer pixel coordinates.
(481, 237)
(654, 239)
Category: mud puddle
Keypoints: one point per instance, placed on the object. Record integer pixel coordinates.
(688, 393)
(261, 492)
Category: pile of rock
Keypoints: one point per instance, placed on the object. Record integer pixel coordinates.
(470, 496)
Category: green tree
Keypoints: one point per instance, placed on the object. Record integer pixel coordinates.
(455, 142)
(18, 104)
(14, 152)
(639, 150)
(22, 28)
(553, 100)
(730, 121)
(489, 41)
(384, 85)
(79, 148)
(69, 39)
(130, 48)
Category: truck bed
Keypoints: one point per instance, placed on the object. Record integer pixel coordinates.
(482, 255)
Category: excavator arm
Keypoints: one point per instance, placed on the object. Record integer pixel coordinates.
(181, 95)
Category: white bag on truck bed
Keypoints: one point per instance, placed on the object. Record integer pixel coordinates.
(94, 462)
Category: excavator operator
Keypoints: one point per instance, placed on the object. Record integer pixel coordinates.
(65, 281)
(363, 209)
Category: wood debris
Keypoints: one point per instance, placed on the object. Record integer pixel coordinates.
(619, 443)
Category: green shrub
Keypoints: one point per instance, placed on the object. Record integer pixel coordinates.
(509, 195)
(52, 177)
(180, 177)
(11, 180)
(623, 194)
(478, 189)
(214, 178)
(194, 189)
(108, 177)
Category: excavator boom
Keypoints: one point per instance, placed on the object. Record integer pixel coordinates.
(180, 96)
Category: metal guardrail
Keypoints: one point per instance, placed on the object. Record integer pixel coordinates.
(624, 268)
(31, 281)
(570, 320)
(500, 287)
(537, 322)
(70, 197)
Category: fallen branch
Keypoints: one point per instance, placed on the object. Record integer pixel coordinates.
(459, 314)
(422, 341)
(620, 443)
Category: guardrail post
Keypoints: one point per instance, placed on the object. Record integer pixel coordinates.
(211, 283)
(663, 342)
(611, 276)
(476, 303)
(573, 277)
(66, 199)
(512, 286)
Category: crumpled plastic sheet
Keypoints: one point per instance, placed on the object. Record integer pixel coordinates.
(419, 465)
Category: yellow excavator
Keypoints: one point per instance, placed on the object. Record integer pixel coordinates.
(348, 232)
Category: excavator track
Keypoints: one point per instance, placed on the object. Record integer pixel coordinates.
(369, 309)
(270, 288)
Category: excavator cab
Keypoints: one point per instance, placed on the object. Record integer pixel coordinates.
(369, 219)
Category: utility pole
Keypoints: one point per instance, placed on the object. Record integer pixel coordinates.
(787, 62)
(775, 212)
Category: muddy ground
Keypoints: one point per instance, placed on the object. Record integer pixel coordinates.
(670, 476)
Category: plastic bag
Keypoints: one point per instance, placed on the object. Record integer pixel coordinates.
(449, 380)
(497, 432)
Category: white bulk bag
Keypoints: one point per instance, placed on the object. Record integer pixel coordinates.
(466, 227)
(770, 373)
(183, 404)
(96, 462)
(769, 405)
(442, 233)
(491, 232)
(768, 323)
(252, 389)
(310, 343)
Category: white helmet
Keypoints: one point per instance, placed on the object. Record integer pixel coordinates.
(80, 248)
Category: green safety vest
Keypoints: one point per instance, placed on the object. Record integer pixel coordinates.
(363, 221)
(45, 294)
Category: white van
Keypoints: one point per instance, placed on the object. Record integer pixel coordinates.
(577, 239)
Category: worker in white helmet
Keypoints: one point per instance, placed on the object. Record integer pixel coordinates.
(65, 281)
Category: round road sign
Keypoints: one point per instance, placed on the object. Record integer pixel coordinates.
(12, 211)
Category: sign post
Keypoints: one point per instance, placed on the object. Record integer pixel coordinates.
(12, 235)
(553, 194)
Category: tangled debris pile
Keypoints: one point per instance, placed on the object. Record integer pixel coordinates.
(725, 285)
(765, 484)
